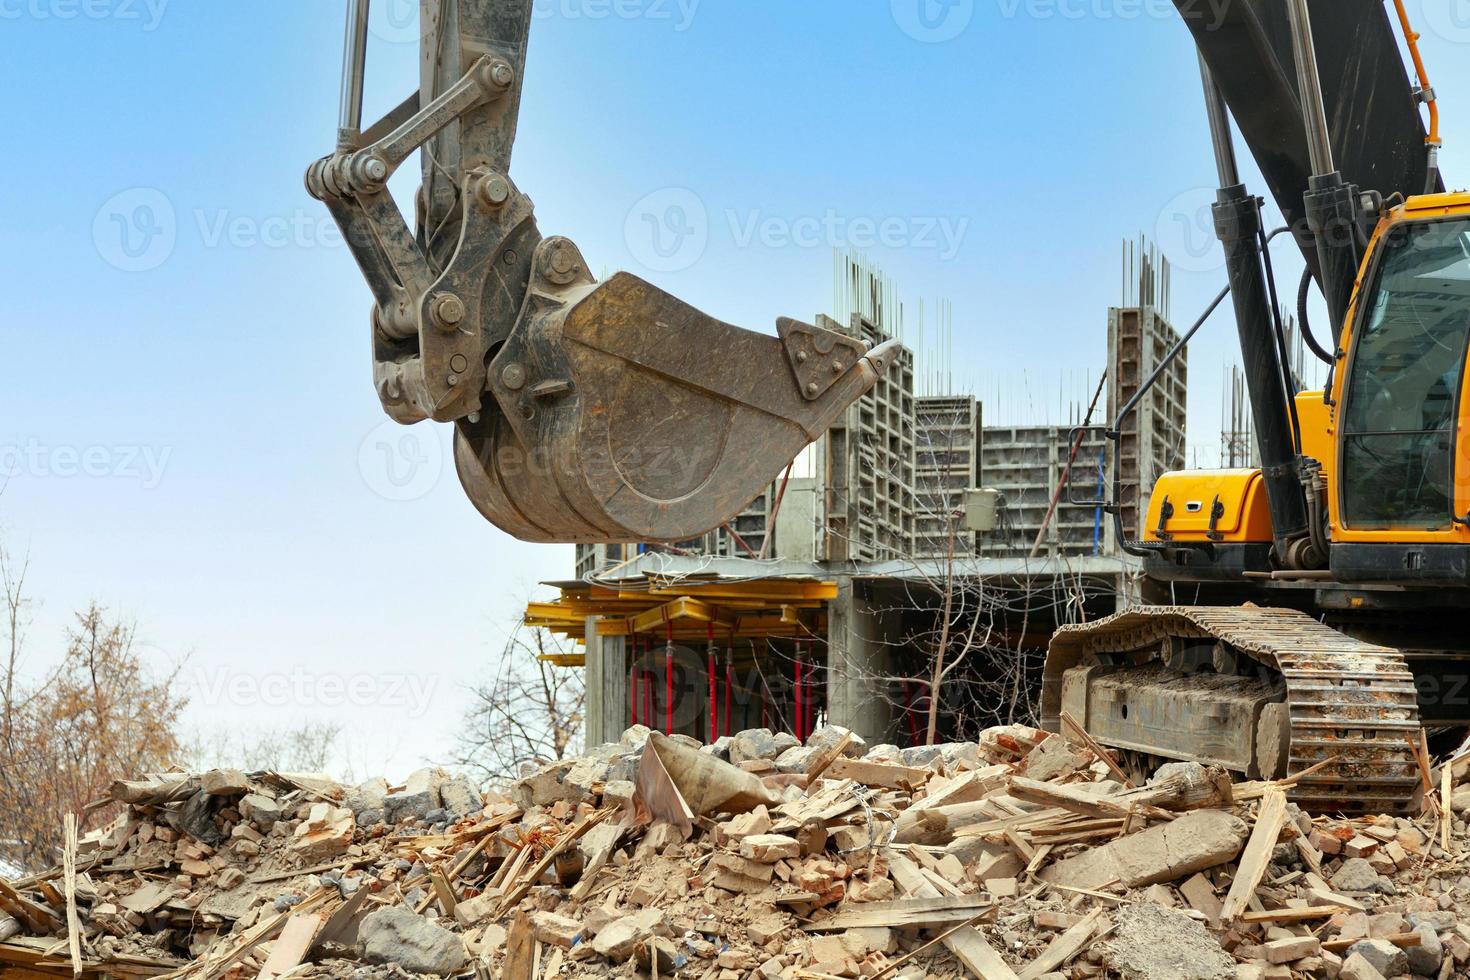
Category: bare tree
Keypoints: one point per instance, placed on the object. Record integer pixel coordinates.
(310, 746)
(100, 714)
(17, 624)
(529, 713)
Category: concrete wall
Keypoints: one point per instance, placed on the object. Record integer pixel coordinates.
(607, 686)
(858, 641)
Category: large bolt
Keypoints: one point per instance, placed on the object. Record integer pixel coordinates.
(560, 263)
(513, 377)
(502, 74)
(369, 170)
(448, 310)
(494, 190)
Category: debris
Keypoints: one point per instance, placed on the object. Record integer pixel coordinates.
(1151, 943)
(953, 862)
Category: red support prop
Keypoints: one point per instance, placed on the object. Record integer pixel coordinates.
(800, 721)
(714, 692)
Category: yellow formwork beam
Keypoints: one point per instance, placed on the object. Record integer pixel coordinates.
(563, 659)
(772, 591)
(768, 609)
(684, 608)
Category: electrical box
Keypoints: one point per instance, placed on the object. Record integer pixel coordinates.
(982, 510)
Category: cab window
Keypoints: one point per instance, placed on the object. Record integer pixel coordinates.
(1402, 398)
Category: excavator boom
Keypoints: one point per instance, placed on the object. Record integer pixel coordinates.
(585, 411)
(1376, 135)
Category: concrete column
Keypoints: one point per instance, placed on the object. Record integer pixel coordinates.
(856, 660)
(607, 686)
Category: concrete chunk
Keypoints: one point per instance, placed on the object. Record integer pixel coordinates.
(1386, 958)
(556, 930)
(769, 848)
(395, 935)
(1196, 841)
(1357, 967)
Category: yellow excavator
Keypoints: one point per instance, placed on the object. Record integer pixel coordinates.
(1309, 616)
(584, 411)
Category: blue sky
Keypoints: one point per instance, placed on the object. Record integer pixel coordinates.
(189, 419)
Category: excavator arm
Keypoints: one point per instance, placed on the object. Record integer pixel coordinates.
(585, 411)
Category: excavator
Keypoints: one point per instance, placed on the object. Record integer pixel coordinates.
(1303, 614)
(584, 411)
(1307, 613)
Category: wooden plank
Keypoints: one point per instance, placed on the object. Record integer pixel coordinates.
(1310, 855)
(37, 918)
(595, 866)
(1446, 812)
(1403, 940)
(1257, 855)
(824, 759)
(1295, 915)
(1063, 948)
(941, 911)
(520, 950)
(69, 882)
(878, 774)
(1097, 750)
(290, 948)
(967, 943)
(442, 890)
(1019, 844)
(1075, 800)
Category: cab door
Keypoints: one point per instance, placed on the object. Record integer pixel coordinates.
(1404, 473)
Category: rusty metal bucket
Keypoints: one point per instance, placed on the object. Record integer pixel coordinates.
(626, 414)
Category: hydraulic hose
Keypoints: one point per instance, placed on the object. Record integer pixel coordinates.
(1433, 141)
(1302, 294)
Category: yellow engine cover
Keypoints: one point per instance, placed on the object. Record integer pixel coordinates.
(1220, 506)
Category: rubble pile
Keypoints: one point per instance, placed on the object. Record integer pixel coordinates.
(1021, 857)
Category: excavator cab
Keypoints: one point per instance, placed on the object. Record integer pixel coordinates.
(1405, 377)
(585, 411)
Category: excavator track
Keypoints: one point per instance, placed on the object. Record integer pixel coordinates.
(1352, 705)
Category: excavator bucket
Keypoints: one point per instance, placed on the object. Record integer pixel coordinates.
(626, 414)
(584, 411)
